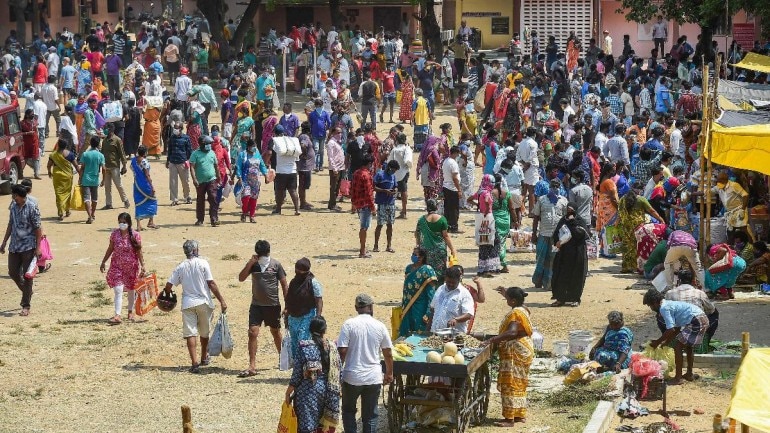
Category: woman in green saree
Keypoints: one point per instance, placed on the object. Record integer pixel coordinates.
(60, 169)
(431, 234)
(504, 213)
(419, 287)
(632, 211)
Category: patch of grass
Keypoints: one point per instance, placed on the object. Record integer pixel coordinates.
(55, 329)
(16, 328)
(100, 302)
(144, 352)
(96, 295)
(102, 341)
(34, 325)
(98, 285)
(76, 293)
(230, 257)
(69, 343)
(70, 376)
(24, 394)
(232, 286)
(577, 395)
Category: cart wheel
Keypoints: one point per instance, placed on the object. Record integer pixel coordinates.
(482, 383)
(463, 410)
(395, 409)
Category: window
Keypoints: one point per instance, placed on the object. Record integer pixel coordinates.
(112, 6)
(68, 8)
(94, 7)
(2, 128)
(27, 12)
(13, 123)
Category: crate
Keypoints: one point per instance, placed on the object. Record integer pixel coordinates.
(656, 388)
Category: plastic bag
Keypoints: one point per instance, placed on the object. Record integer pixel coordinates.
(146, 290)
(578, 371)
(288, 420)
(662, 353)
(642, 366)
(221, 342)
(345, 188)
(521, 240)
(285, 360)
(76, 202)
(31, 270)
(485, 230)
(238, 193)
(226, 190)
(611, 240)
(45, 252)
(113, 111)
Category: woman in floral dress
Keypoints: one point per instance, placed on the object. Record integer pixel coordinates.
(126, 265)
(407, 97)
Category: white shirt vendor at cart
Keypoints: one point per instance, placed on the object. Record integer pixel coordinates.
(452, 304)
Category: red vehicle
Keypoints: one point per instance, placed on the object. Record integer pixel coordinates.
(11, 145)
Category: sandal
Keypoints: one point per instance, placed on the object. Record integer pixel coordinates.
(573, 304)
(557, 304)
(247, 373)
(365, 255)
(252, 220)
(504, 270)
(206, 361)
(152, 226)
(390, 250)
(376, 249)
(195, 369)
(114, 321)
(691, 378)
(131, 316)
(24, 312)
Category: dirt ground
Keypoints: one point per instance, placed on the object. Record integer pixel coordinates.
(63, 369)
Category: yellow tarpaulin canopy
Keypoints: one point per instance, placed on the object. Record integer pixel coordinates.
(750, 391)
(754, 62)
(746, 147)
(726, 104)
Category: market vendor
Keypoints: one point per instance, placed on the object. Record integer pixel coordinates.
(724, 272)
(613, 350)
(686, 292)
(685, 322)
(452, 305)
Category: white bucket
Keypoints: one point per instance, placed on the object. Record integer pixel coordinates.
(580, 342)
(560, 348)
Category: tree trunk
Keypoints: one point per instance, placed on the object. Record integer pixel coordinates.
(36, 18)
(214, 11)
(21, 24)
(336, 14)
(243, 26)
(431, 31)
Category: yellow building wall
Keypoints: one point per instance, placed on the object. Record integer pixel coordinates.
(504, 7)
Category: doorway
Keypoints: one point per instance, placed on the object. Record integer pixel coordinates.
(299, 16)
(388, 17)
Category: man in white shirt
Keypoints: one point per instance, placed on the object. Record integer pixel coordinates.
(607, 48)
(41, 111)
(332, 35)
(357, 44)
(52, 62)
(50, 94)
(452, 305)
(616, 148)
(660, 34)
(452, 189)
(677, 145)
(402, 154)
(197, 281)
(362, 339)
(182, 85)
(287, 151)
(567, 109)
(527, 155)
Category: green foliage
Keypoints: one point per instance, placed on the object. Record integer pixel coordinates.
(702, 12)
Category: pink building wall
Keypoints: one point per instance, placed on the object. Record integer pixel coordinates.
(618, 26)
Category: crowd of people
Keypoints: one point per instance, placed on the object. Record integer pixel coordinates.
(599, 152)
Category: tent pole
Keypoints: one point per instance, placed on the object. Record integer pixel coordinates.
(745, 345)
(702, 161)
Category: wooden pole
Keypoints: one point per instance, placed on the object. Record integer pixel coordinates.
(702, 161)
(710, 171)
(187, 426)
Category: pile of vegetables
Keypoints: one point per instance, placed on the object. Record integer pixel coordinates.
(450, 355)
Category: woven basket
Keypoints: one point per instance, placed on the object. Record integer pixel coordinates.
(656, 388)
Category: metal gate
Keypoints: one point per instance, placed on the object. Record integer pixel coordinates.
(556, 18)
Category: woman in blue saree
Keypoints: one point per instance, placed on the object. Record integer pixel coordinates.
(419, 287)
(145, 202)
(613, 350)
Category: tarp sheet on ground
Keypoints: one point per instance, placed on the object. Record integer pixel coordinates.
(750, 391)
(754, 62)
(745, 147)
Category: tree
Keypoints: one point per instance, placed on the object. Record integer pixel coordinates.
(245, 23)
(336, 14)
(18, 7)
(706, 13)
(431, 31)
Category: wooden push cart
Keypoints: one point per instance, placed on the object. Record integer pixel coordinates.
(467, 391)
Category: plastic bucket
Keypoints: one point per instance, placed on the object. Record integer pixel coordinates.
(560, 348)
(580, 342)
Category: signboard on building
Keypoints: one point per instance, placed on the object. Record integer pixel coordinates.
(743, 34)
(501, 26)
(481, 14)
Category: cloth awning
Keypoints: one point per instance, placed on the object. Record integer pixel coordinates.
(732, 119)
(754, 62)
(751, 394)
(739, 91)
(745, 147)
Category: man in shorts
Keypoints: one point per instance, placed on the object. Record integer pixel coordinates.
(402, 154)
(685, 322)
(285, 171)
(527, 155)
(91, 164)
(195, 277)
(385, 199)
(388, 92)
(361, 197)
(266, 273)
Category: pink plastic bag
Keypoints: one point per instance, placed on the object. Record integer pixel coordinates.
(45, 252)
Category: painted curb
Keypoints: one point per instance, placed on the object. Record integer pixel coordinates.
(601, 418)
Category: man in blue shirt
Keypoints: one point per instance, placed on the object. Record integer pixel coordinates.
(385, 199)
(319, 125)
(662, 97)
(685, 322)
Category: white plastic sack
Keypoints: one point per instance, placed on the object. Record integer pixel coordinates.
(221, 342)
(113, 111)
(226, 190)
(285, 361)
(238, 193)
(485, 229)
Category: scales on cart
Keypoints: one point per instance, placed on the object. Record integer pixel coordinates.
(465, 387)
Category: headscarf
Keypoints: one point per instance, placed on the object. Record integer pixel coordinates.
(484, 194)
(553, 194)
(719, 247)
(429, 148)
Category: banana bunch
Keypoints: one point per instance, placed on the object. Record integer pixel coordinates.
(403, 350)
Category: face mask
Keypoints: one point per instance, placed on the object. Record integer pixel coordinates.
(319, 110)
(252, 150)
(123, 226)
(640, 125)
(263, 261)
(177, 131)
(469, 108)
(206, 147)
(415, 258)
